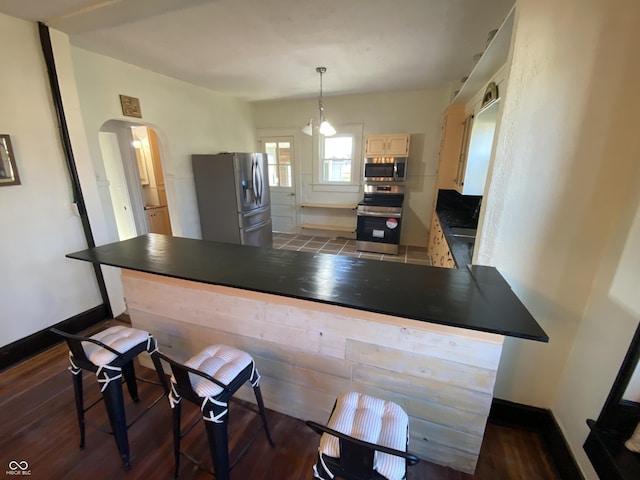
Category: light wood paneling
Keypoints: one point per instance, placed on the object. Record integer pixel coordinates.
(425, 406)
(423, 366)
(308, 352)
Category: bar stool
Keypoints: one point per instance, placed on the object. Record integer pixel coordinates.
(365, 438)
(209, 379)
(110, 354)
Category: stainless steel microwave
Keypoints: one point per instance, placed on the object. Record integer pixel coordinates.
(385, 169)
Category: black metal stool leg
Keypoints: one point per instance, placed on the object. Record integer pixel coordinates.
(79, 397)
(176, 438)
(114, 403)
(258, 394)
(218, 446)
(129, 374)
(160, 371)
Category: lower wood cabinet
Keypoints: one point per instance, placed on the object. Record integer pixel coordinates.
(158, 218)
(439, 250)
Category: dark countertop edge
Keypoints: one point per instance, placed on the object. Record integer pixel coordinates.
(488, 277)
(503, 332)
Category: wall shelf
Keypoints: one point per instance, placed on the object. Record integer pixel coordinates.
(329, 227)
(494, 57)
(329, 205)
(334, 228)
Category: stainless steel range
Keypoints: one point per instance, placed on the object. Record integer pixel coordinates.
(380, 217)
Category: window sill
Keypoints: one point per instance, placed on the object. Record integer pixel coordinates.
(336, 187)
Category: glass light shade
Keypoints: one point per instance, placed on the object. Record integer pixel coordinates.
(326, 129)
(308, 128)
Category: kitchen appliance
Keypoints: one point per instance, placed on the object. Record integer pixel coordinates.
(380, 211)
(233, 198)
(385, 170)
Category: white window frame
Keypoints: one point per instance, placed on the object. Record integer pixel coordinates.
(279, 139)
(319, 184)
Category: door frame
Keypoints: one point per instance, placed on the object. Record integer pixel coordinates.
(122, 130)
(293, 135)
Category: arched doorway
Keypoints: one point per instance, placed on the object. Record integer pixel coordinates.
(133, 163)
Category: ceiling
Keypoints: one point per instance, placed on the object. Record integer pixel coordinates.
(269, 49)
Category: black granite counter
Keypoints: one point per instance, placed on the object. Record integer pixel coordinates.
(461, 247)
(458, 211)
(476, 298)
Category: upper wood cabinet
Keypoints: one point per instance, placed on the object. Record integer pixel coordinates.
(461, 171)
(450, 143)
(155, 157)
(394, 145)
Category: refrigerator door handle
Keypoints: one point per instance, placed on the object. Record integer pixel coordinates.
(257, 185)
(254, 212)
(253, 182)
(259, 181)
(257, 226)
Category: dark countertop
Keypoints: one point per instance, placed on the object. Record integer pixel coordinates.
(476, 298)
(461, 248)
(455, 210)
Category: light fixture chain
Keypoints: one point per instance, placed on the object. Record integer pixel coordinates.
(321, 70)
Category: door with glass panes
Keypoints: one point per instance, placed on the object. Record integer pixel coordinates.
(280, 155)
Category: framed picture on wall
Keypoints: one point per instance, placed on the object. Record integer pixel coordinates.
(8, 170)
(130, 106)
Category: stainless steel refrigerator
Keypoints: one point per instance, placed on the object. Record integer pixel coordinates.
(233, 198)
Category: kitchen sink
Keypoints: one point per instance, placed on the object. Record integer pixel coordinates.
(462, 232)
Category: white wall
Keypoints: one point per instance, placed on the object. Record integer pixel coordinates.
(188, 119)
(418, 113)
(602, 341)
(38, 285)
(561, 181)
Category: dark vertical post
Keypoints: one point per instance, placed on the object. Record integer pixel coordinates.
(45, 42)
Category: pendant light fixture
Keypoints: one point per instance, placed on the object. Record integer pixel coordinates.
(325, 127)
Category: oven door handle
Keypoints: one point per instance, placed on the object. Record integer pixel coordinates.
(379, 214)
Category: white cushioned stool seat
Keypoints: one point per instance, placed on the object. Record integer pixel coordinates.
(110, 354)
(221, 362)
(372, 420)
(232, 368)
(119, 338)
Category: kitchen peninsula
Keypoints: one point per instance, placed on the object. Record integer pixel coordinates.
(427, 338)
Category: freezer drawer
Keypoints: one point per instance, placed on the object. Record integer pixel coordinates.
(253, 217)
(258, 235)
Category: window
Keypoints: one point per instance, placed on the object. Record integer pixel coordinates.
(279, 160)
(337, 160)
(337, 154)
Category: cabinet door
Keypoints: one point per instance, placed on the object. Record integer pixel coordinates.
(151, 219)
(375, 146)
(162, 222)
(450, 145)
(158, 219)
(154, 147)
(434, 239)
(464, 152)
(397, 145)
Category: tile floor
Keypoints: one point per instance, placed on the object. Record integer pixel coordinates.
(346, 246)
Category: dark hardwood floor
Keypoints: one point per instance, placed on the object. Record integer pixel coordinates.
(37, 416)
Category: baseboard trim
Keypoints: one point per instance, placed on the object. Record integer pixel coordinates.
(543, 422)
(37, 342)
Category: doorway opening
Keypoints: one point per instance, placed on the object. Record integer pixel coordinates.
(280, 153)
(133, 164)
